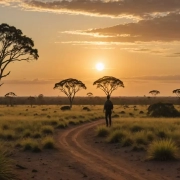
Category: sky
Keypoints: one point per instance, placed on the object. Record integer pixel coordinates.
(137, 41)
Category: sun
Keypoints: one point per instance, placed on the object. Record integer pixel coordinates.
(99, 66)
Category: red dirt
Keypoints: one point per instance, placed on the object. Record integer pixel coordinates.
(81, 155)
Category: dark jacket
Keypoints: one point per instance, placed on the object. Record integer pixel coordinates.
(108, 106)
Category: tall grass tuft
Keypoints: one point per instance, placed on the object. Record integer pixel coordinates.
(116, 136)
(48, 143)
(102, 131)
(6, 168)
(164, 149)
(47, 129)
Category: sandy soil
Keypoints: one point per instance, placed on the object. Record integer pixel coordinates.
(80, 155)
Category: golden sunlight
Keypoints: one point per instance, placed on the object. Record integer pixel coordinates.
(99, 66)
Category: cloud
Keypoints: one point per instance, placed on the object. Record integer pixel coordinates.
(113, 8)
(163, 29)
(29, 81)
(162, 78)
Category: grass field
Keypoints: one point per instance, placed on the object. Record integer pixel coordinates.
(33, 129)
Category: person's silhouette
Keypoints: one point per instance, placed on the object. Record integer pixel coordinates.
(108, 107)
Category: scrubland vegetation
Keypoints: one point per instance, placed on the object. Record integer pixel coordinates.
(159, 137)
(33, 128)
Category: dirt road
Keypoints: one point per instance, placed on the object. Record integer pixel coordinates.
(94, 163)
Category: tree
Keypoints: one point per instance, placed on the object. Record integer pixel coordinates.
(14, 46)
(154, 92)
(70, 87)
(90, 94)
(41, 99)
(10, 96)
(31, 99)
(108, 84)
(177, 92)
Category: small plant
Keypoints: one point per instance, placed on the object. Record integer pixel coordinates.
(62, 125)
(102, 131)
(47, 129)
(48, 143)
(116, 136)
(164, 149)
(28, 144)
(6, 169)
(136, 128)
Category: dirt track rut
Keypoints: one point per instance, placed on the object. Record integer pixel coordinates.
(93, 163)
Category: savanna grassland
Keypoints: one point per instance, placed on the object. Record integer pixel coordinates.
(32, 130)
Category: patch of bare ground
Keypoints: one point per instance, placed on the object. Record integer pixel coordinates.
(81, 155)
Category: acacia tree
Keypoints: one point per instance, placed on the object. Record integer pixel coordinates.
(90, 94)
(177, 92)
(10, 96)
(70, 87)
(14, 46)
(108, 84)
(154, 92)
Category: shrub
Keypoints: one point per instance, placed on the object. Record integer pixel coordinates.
(48, 143)
(26, 133)
(126, 141)
(28, 144)
(140, 138)
(6, 169)
(136, 128)
(116, 136)
(47, 129)
(62, 125)
(102, 131)
(163, 150)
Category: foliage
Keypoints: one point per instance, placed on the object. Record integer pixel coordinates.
(14, 47)
(70, 87)
(108, 84)
(177, 92)
(154, 92)
(163, 150)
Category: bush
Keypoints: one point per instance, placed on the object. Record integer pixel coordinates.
(116, 136)
(6, 169)
(48, 143)
(163, 150)
(28, 144)
(47, 129)
(102, 131)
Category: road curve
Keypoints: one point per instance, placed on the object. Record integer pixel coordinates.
(92, 162)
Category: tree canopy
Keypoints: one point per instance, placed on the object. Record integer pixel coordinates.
(70, 87)
(14, 46)
(177, 92)
(89, 94)
(108, 84)
(154, 92)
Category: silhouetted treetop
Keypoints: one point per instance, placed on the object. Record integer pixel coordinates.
(14, 46)
(108, 84)
(177, 92)
(10, 94)
(154, 92)
(89, 94)
(70, 87)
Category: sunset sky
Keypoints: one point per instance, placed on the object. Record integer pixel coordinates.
(138, 41)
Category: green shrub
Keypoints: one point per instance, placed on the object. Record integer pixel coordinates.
(6, 168)
(47, 129)
(48, 143)
(164, 149)
(28, 144)
(102, 131)
(136, 128)
(116, 136)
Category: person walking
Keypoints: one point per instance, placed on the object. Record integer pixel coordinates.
(108, 107)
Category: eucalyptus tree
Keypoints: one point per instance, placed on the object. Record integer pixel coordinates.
(70, 87)
(14, 46)
(177, 92)
(10, 96)
(154, 92)
(108, 84)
